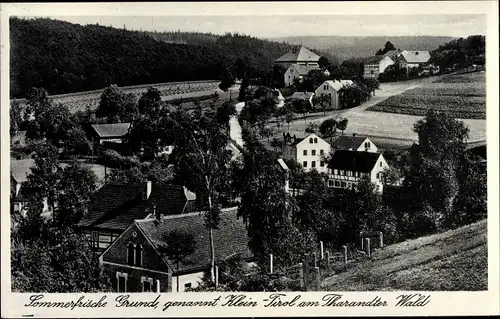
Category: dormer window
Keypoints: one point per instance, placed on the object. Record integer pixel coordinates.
(315, 140)
(310, 141)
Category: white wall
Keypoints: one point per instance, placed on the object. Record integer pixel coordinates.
(193, 278)
(385, 63)
(305, 145)
(290, 76)
(380, 165)
(372, 148)
(327, 90)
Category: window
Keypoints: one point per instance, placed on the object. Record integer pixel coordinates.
(330, 183)
(95, 239)
(121, 282)
(313, 152)
(349, 173)
(187, 286)
(138, 255)
(305, 152)
(147, 284)
(311, 140)
(337, 184)
(315, 140)
(335, 172)
(356, 174)
(130, 254)
(378, 175)
(321, 152)
(304, 164)
(313, 164)
(342, 173)
(322, 163)
(380, 164)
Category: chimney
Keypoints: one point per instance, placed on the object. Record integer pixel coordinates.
(146, 188)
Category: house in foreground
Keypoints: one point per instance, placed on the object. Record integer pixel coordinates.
(135, 262)
(114, 207)
(346, 168)
(331, 89)
(309, 151)
(354, 143)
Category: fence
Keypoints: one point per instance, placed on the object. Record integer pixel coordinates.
(324, 263)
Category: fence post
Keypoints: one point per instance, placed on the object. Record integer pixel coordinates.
(368, 247)
(345, 254)
(315, 260)
(157, 286)
(328, 260)
(216, 268)
(317, 278)
(321, 250)
(362, 240)
(381, 238)
(271, 263)
(301, 275)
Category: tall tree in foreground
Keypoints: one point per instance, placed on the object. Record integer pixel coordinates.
(227, 81)
(201, 161)
(178, 246)
(342, 125)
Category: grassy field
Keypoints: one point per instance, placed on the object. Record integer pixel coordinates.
(455, 260)
(462, 96)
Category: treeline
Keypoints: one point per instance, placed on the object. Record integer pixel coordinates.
(460, 53)
(64, 57)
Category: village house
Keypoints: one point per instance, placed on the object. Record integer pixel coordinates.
(302, 96)
(135, 262)
(346, 168)
(354, 143)
(309, 151)
(413, 59)
(297, 71)
(375, 65)
(331, 89)
(102, 134)
(114, 207)
(301, 56)
(19, 171)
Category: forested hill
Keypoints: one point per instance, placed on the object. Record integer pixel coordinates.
(346, 47)
(63, 57)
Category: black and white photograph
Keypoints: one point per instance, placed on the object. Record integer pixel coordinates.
(248, 153)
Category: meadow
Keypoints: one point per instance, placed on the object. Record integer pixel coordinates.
(462, 96)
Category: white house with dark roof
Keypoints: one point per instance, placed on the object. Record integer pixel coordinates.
(331, 89)
(354, 143)
(309, 151)
(135, 262)
(302, 96)
(346, 168)
(302, 56)
(413, 59)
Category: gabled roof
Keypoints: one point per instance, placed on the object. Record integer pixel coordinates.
(337, 85)
(306, 96)
(116, 206)
(353, 161)
(346, 142)
(303, 69)
(20, 169)
(416, 56)
(111, 130)
(301, 55)
(230, 238)
(392, 53)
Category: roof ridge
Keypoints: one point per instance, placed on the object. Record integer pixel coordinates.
(169, 217)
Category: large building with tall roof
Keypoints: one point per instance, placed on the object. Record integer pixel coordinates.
(301, 56)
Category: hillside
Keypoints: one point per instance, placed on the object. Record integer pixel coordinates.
(454, 260)
(64, 57)
(345, 47)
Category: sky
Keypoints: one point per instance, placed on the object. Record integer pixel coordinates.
(455, 25)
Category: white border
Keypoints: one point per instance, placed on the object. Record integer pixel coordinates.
(443, 303)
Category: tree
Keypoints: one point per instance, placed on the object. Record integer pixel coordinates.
(178, 246)
(227, 81)
(201, 160)
(288, 115)
(324, 62)
(390, 176)
(276, 144)
(328, 128)
(116, 106)
(76, 142)
(342, 125)
(37, 103)
(224, 113)
(150, 101)
(388, 47)
(16, 118)
(243, 89)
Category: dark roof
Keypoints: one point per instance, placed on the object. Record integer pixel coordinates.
(111, 130)
(346, 142)
(230, 238)
(306, 96)
(304, 69)
(353, 161)
(301, 55)
(116, 206)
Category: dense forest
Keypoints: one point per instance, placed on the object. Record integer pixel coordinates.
(460, 53)
(64, 57)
